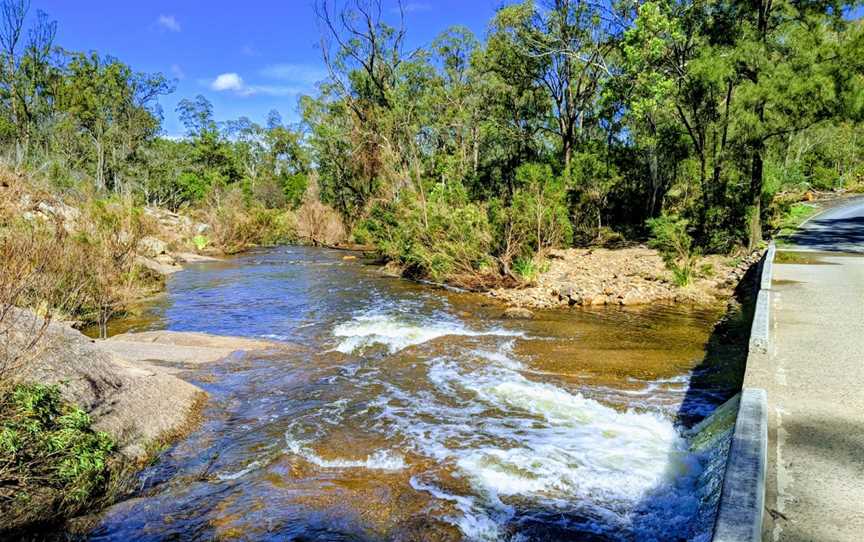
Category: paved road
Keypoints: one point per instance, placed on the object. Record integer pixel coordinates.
(839, 229)
(814, 376)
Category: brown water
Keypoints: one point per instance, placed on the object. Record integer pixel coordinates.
(411, 413)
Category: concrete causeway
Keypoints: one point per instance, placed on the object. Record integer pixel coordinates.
(813, 372)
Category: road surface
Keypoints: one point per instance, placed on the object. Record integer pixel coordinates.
(839, 229)
(814, 375)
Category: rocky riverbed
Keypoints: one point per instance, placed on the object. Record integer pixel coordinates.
(626, 276)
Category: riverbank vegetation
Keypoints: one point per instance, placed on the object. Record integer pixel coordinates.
(573, 120)
(52, 464)
(568, 123)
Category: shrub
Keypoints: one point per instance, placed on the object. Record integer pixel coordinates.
(442, 236)
(671, 238)
(528, 268)
(236, 225)
(80, 266)
(609, 238)
(540, 207)
(52, 464)
(200, 242)
(319, 224)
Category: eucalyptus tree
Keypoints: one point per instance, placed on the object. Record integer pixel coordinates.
(352, 125)
(563, 47)
(113, 109)
(26, 73)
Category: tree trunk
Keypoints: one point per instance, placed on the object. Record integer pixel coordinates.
(756, 197)
(654, 173)
(568, 150)
(100, 167)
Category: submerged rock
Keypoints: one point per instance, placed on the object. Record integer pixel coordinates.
(392, 269)
(518, 313)
(179, 347)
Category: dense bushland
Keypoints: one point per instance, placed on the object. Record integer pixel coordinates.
(570, 122)
(575, 122)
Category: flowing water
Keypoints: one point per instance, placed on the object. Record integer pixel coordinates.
(403, 412)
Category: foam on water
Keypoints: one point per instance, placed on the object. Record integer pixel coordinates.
(542, 444)
(227, 476)
(380, 460)
(525, 447)
(397, 332)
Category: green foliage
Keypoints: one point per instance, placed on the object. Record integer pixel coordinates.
(670, 237)
(442, 237)
(791, 215)
(528, 269)
(236, 224)
(200, 242)
(49, 452)
(561, 124)
(540, 213)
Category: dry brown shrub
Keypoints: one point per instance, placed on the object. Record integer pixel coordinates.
(235, 225)
(29, 278)
(318, 224)
(72, 262)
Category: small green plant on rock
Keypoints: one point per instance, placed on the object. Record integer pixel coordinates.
(200, 242)
(670, 237)
(528, 269)
(52, 464)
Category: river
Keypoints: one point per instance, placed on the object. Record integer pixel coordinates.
(406, 412)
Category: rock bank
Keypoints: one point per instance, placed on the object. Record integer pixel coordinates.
(137, 406)
(127, 384)
(171, 351)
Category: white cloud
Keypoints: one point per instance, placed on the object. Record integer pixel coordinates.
(248, 50)
(232, 82)
(168, 22)
(177, 71)
(228, 81)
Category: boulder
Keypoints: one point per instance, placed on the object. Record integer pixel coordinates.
(68, 214)
(151, 247)
(160, 267)
(600, 299)
(392, 269)
(137, 406)
(633, 297)
(181, 347)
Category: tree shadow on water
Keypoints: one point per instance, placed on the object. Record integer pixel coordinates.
(720, 374)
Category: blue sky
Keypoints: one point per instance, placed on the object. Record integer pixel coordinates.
(246, 57)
